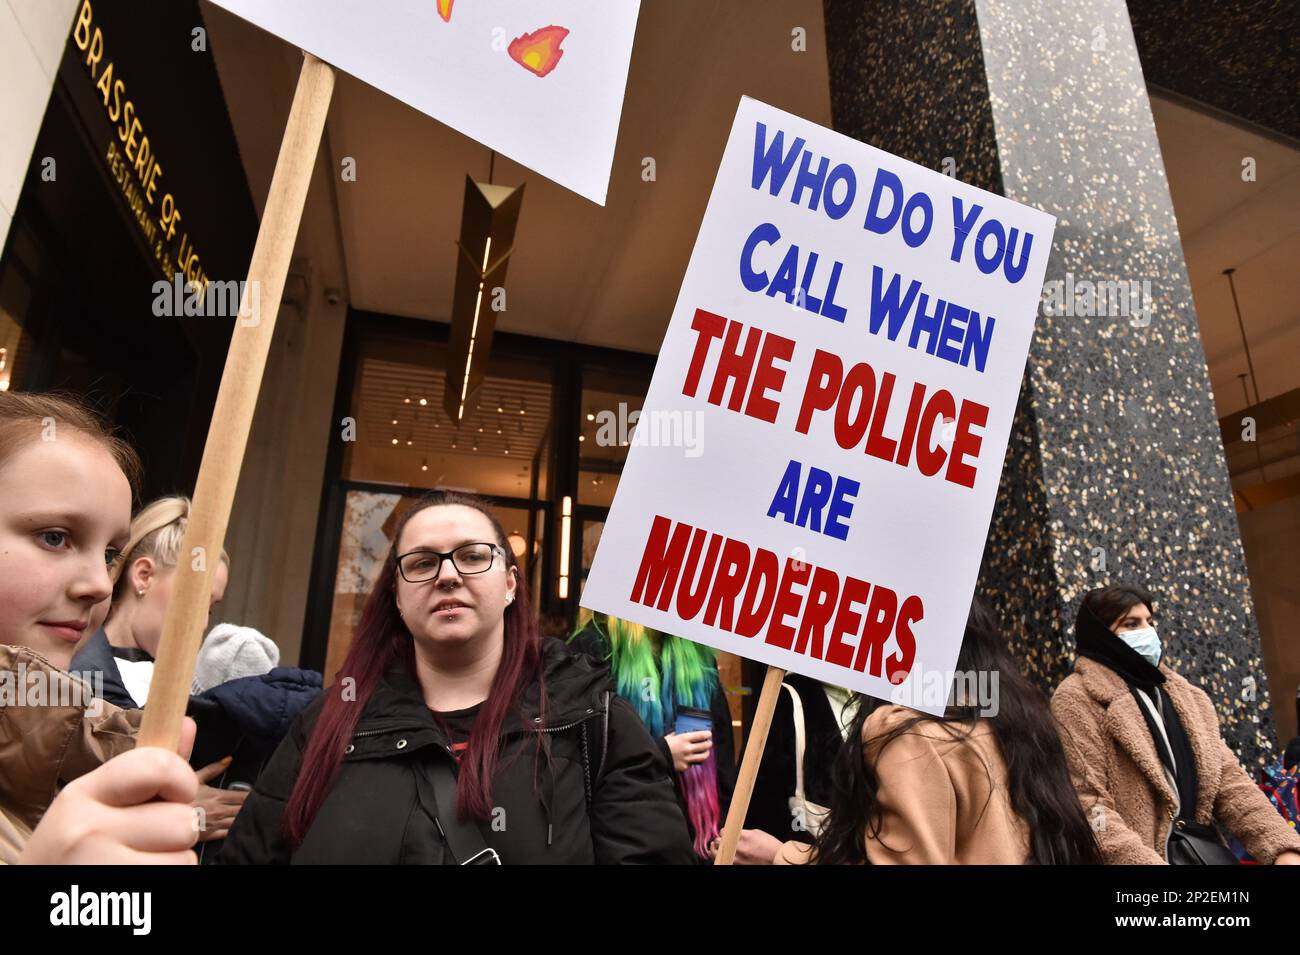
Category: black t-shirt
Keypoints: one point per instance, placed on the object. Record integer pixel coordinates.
(457, 724)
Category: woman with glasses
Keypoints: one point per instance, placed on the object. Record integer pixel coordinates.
(454, 733)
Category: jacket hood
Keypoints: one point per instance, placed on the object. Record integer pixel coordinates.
(231, 653)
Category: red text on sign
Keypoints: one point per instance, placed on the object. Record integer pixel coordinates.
(748, 366)
(745, 590)
(861, 399)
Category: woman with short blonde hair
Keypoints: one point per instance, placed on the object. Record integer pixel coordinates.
(124, 648)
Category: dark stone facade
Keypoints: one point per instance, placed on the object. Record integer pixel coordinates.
(1115, 469)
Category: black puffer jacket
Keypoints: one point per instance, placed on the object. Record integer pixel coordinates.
(376, 813)
(247, 718)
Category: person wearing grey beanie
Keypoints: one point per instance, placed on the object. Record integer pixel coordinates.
(230, 652)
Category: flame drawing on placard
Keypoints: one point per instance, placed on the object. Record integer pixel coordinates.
(444, 9)
(539, 51)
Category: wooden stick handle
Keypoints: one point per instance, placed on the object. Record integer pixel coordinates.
(232, 416)
(754, 747)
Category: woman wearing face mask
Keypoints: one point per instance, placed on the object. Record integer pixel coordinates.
(1145, 753)
(455, 733)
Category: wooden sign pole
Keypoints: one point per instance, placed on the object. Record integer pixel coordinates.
(749, 764)
(232, 416)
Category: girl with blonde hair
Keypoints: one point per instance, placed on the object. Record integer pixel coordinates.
(124, 648)
(72, 787)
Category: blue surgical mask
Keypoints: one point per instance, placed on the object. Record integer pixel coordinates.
(1145, 642)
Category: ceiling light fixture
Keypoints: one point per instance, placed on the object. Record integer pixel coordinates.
(488, 219)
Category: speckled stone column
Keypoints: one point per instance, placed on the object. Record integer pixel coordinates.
(1115, 469)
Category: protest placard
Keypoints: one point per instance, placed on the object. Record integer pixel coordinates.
(846, 354)
(540, 82)
(848, 346)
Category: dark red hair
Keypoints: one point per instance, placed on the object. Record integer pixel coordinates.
(381, 641)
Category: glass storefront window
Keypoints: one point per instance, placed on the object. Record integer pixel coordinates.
(589, 538)
(404, 435)
(368, 520)
(611, 402)
(405, 438)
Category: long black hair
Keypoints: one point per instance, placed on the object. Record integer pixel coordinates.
(1038, 779)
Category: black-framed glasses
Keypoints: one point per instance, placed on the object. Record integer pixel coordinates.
(476, 557)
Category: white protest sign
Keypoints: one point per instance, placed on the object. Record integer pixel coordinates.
(541, 82)
(846, 352)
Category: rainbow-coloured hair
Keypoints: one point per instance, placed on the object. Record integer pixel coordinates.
(657, 681)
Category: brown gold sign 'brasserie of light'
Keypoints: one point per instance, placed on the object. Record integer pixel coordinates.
(159, 224)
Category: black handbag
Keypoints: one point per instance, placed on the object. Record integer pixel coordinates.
(1191, 843)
